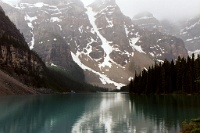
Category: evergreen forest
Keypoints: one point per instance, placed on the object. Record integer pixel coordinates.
(180, 77)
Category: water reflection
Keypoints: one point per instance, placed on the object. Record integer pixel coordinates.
(38, 114)
(96, 113)
(106, 113)
(166, 113)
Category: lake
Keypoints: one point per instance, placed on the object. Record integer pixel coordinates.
(96, 113)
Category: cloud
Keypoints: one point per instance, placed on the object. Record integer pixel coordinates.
(162, 9)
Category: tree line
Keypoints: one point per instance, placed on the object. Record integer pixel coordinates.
(182, 77)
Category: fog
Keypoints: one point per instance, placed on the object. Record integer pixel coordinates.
(173, 10)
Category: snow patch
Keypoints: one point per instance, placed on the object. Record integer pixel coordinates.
(89, 47)
(104, 79)
(40, 4)
(53, 65)
(188, 40)
(30, 24)
(130, 78)
(60, 27)
(55, 19)
(152, 54)
(145, 69)
(159, 40)
(126, 30)
(110, 23)
(192, 26)
(133, 42)
(30, 19)
(81, 29)
(161, 61)
(183, 33)
(105, 44)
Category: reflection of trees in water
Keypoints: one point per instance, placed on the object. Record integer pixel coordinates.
(34, 114)
(170, 109)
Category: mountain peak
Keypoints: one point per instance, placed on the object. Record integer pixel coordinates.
(98, 38)
(146, 20)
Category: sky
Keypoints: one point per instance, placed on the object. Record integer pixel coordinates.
(173, 10)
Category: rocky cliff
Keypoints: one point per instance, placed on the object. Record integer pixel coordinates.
(187, 30)
(98, 38)
(146, 20)
(191, 34)
(16, 58)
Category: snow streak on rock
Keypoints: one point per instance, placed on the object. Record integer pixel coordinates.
(30, 24)
(133, 42)
(104, 79)
(105, 44)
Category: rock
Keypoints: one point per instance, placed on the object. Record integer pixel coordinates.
(99, 38)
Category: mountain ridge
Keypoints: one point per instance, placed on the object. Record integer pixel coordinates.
(17, 61)
(187, 30)
(100, 39)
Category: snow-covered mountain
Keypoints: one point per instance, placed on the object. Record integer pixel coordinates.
(146, 20)
(188, 31)
(191, 34)
(105, 43)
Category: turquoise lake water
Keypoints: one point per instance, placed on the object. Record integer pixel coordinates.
(96, 113)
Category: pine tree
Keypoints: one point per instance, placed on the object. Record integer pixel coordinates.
(169, 77)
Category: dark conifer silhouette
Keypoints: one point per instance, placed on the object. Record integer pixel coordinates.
(169, 77)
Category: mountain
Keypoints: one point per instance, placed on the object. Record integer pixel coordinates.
(191, 34)
(17, 61)
(21, 69)
(98, 38)
(188, 31)
(146, 20)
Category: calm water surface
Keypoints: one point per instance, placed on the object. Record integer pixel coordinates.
(96, 113)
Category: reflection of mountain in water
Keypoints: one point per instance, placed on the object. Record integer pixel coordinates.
(105, 113)
(39, 114)
(96, 113)
(168, 110)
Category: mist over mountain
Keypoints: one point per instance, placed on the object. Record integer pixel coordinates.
(162, 9)
(106, 44)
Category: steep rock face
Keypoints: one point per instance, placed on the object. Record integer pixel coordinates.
(156, 38)
(191, 34)
(107, 45)
(44, 29)
(16, 57)
(161, 46)
(146, 20)
(126, 40)
(143, 39)
(187, 31)
(17, 17)
(56, 52)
